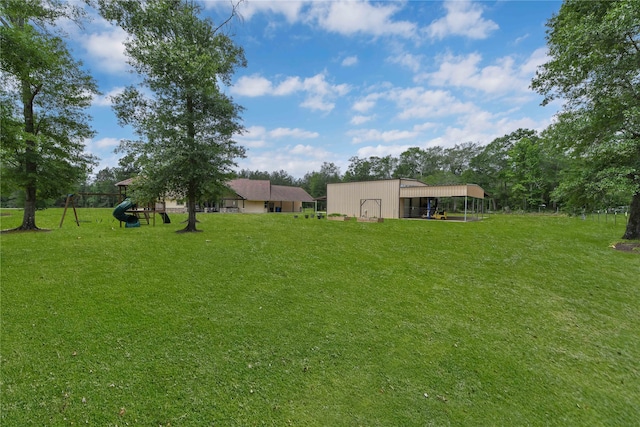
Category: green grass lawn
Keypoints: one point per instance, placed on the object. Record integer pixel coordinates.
(273, 320)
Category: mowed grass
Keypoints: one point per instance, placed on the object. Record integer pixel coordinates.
(275, 320)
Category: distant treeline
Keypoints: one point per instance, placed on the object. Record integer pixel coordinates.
(519, 171)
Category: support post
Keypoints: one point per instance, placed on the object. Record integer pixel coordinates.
(465, 208)
(70, 198)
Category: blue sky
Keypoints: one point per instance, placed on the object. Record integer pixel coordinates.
(328, 80)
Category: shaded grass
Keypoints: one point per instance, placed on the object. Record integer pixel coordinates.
(271, 320)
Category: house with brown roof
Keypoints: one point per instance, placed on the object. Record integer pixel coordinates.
(260, 196)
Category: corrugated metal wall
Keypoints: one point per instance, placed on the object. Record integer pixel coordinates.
(470, 190)
(354, 198)
(345, 198)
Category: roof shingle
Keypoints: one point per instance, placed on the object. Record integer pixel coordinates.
(255, 189)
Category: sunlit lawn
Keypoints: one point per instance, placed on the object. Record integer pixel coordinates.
(276, 320)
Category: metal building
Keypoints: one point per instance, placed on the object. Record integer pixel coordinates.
(402, 198)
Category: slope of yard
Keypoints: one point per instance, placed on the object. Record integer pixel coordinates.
(276, 320)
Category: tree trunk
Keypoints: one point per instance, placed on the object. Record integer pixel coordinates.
(29, 216)
(31, 167)
(633, 225)
(191, 210)
(191, 194)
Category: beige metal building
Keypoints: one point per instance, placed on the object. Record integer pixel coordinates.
(401, 198)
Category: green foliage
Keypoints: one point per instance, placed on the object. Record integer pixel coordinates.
(44, 93)
(187, 127)
(434, 165)
(417, 163)
(594, 67)
(360, 169)
(272, 320)
(280, 177)
(316, 182)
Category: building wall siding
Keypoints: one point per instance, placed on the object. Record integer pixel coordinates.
(256, 206)
(286, 206)
(345, 198)
(470, 190)
(399, 198)
(251, 206)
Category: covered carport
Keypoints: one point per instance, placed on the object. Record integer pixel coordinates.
(421, 201)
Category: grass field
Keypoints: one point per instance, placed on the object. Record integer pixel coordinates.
(272, 320)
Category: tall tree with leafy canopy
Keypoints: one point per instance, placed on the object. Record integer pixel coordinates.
(594, 67)
(491, 167)
(187, 123)
(316, 182)
(44, 94)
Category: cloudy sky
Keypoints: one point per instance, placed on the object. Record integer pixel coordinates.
(328, 80)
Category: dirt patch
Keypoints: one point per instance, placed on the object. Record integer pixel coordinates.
(633, 247)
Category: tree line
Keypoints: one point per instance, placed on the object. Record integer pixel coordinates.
(185, 123)
(519, 171)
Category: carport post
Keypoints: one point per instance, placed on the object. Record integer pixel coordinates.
(465, 208)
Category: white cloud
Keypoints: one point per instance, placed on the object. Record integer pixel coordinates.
(106, 48)
(537, 58)
(346, 17)
(288, 86)
(106, 143)
(415, 103)
(260, 137)
(310, 151)
(254, 132)
(290, 9)
(483, 127)
(383, 150)
(317, 103)
(296, 160)
(106, 99)
(503, 76)
(252, 86)
(425, 126)
(419, 103)
(454, 70)
(463, 18)
(358, 120)
(349, 61)
(253, 137)
(367, 103)
(407, 60)
(293, 133)
(319, 92)
(520, 39)
(318, 84)
(254, 143)
(360, 17)
(364, 135)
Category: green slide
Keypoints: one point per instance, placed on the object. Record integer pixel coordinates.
(119, 214)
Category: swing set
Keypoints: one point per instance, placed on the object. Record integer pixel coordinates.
(71, 201)
(147, 213)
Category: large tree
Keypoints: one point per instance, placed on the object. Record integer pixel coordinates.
(594, 68)
(316, 182)
(44, 94)
(185, 121)
(491, 167)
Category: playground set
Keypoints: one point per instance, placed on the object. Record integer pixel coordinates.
(127, 212)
